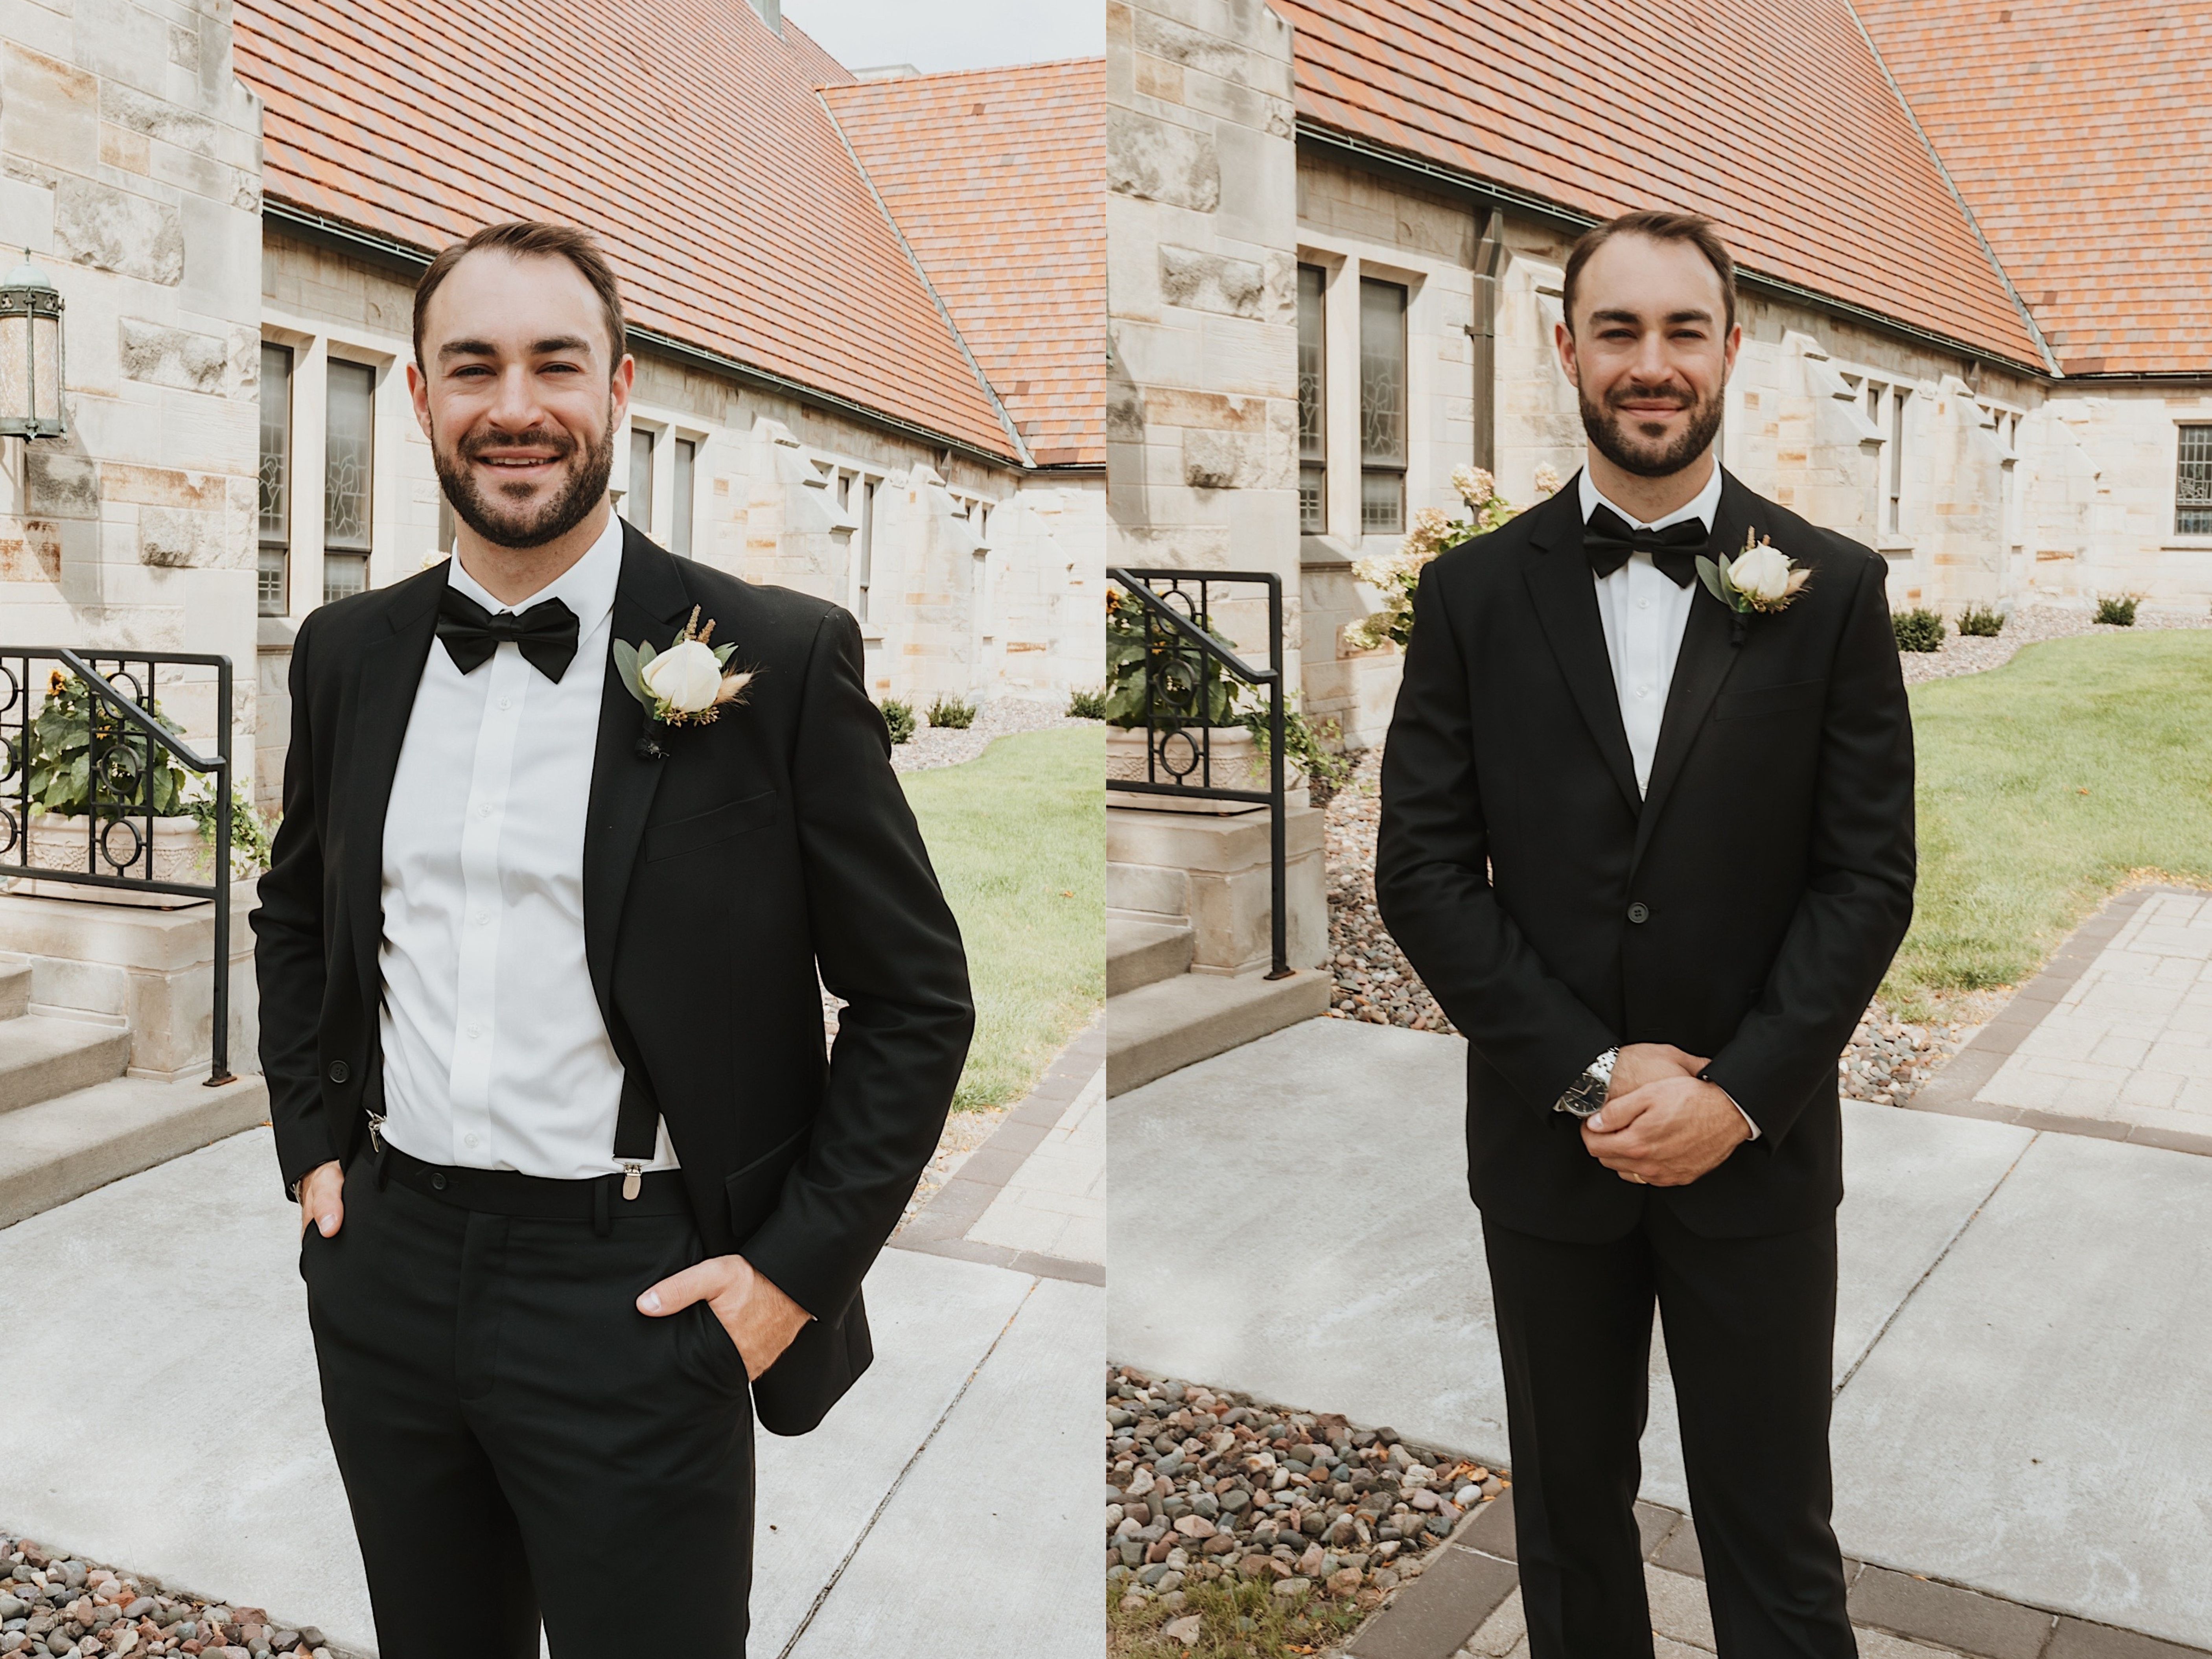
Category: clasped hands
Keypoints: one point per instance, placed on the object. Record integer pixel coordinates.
(1662, 1125)
(762, 1321)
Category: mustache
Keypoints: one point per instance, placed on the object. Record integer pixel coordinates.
(1675, 395)
(560, 443)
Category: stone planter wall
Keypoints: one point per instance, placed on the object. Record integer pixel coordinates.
(57, 842)
(1238, 763)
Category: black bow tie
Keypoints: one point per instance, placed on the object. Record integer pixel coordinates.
(1608, 539)
(546, 634)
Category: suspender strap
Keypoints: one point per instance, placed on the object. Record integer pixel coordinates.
(637, 1122)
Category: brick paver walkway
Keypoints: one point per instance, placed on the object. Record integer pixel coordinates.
(2113, 1038)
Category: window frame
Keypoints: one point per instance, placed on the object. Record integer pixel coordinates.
(2183, 505)
(683, 505)
(1372, 466)
(1313, 401)
(279, 543)
(351, 554)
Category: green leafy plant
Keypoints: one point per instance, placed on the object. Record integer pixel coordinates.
(2118, 609)
(1189, 688)
(1306, 745)
(1432, 530)
(898, 714)
(1086, 704)
(951, 714)
(131, 779)
(1918, 630)
(1981, 621)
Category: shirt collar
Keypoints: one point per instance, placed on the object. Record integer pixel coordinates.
(586, 587)
(1705, 506)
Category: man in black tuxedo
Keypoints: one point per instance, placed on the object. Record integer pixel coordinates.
(1652, 853)
(538, 952)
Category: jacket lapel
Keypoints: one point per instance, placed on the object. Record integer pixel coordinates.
(1566, 604)
(1700, 665)
(389, 672)
(650, 604)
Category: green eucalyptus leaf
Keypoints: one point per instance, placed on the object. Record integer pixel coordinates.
(723, 654)
(630, 667)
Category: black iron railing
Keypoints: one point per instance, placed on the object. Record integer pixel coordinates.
(128, 747)
(1193, 680)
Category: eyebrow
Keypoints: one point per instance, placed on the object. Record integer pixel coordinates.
(554, 345)
(1637, 318)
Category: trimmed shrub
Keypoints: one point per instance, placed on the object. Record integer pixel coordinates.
(1985, 621)
(898, 714)
(1087, 705)
(2118, 609)
(1918, 630)
(951, 714)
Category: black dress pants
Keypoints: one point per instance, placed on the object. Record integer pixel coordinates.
(1750, 1329)
(517, 1441)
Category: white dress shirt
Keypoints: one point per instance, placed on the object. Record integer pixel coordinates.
(496, 1056)
(1644, 614)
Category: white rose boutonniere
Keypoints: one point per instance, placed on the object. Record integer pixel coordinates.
(688, 684)
(1759, 578)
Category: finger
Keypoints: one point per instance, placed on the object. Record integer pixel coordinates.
(1617, 1115)
(330, 1215)
(679, 1291)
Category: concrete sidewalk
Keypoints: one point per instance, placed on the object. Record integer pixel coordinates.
(169, 1422)
(2024, 1330)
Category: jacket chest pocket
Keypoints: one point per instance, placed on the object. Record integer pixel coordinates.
(1770, 700)
(710, 827)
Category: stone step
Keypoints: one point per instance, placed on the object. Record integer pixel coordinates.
(62, 1148)
(1174, 1023)
(41, 1057)
(1139, 953)
(15, 989)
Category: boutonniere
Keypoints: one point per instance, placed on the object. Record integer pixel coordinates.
(687, 684)
(1759, 579)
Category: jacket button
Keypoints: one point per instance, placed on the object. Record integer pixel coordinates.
(437, 1182)
(1639, 912)
(338, 1072)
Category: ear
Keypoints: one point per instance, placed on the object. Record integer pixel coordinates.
(1734, 344)
(619, 391)
(1563, 339)
(418, 394)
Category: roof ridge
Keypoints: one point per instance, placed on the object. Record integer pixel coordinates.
(1935, 156)
(921, 274)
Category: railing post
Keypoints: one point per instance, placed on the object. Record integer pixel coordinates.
(219, 1071)
(1277, 828)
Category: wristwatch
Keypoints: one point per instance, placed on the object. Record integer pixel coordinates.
(1587, 1092)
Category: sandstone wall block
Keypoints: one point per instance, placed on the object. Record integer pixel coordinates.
(111, 230)
(60, 484)
(1159, 161)
(48, 109)
(157, 118)
(1213, 282)
(180, 357)
(30, 550)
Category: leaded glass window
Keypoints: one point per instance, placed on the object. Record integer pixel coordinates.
(1313, 405)
(1382, 408)
(2192, 514)
(274, 516)
(637, 500)
(349, 472)
(686, 464)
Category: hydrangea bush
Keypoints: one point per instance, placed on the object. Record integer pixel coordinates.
(1396, 574)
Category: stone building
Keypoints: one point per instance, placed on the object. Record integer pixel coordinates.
(866, 317)
(868, 321)
(1973, 293)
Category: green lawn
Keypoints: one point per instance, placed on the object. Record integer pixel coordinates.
(1018, 838)
(2045, 785)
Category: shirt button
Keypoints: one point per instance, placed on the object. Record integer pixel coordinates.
(506, 702)
(477, 1031)
(484, 812)
(1641, 605)
(468, 1140)
(1643, 690)
(1639, 912)
(480, 918)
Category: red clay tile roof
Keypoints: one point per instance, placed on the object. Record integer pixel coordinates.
(683, 131)
(1771, 116)
(998, 180)
(2080, 136)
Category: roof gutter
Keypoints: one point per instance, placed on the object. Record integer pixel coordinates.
(1482, 193)
(410, 260)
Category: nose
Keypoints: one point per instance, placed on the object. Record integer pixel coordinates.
(515, 407)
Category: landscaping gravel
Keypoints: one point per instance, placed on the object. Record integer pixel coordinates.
(2028, 625)
(54, 1605)
(998, 717)
(1203, 1483)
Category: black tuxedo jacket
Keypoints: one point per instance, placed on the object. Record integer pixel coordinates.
(1746, 909)
(716, 880)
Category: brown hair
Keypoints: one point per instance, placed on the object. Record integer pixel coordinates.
(525, 239)
(1692, 227)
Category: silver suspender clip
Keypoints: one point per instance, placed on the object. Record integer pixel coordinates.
(376, 1140)
(632, 1181)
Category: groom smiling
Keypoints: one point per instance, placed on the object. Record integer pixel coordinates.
(580, 1197)
(1647, 836)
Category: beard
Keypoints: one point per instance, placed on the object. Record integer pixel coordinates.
(506, 522)
(1642, 456)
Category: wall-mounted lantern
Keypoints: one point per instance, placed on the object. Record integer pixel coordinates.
(30, 354)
